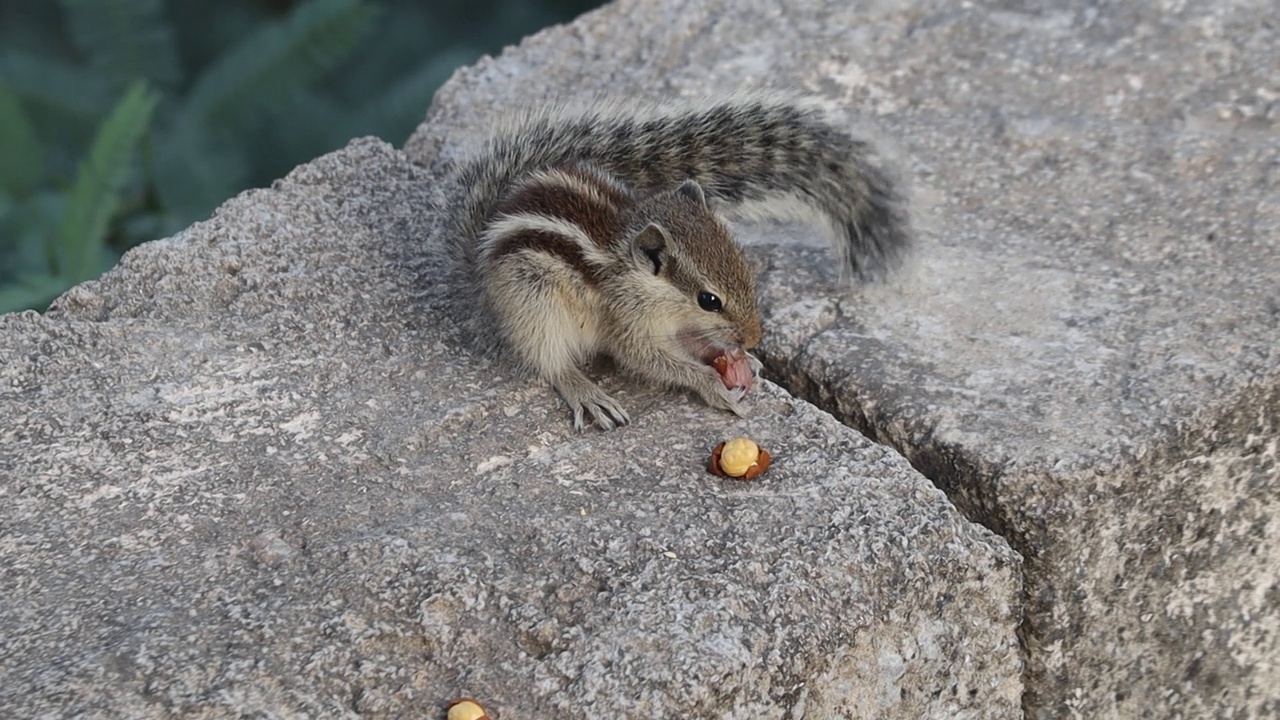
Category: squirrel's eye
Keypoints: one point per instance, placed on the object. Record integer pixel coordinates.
(709, 302)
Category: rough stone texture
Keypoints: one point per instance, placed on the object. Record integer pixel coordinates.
(255, 472)
(1086, 353)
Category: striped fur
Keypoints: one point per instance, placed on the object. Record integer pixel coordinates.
(574, 213)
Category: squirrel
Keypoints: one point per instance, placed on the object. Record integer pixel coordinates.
(595, 232)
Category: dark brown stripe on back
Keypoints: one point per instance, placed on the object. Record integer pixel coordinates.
(551, 243)
(598, 214)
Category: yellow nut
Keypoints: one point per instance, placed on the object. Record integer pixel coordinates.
(467, 709)
(738, 456)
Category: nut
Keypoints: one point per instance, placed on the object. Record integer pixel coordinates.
(739, 458)
(467, 709)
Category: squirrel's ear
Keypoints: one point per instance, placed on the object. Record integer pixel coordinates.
(648, 246)
(692, 190)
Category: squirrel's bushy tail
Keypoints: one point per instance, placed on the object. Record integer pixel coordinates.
(770, 157)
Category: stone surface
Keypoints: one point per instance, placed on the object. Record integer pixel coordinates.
(256, 471)
(1086, 352)
(225, 486)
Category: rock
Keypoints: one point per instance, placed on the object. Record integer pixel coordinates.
(1085, 353)
(257, 470)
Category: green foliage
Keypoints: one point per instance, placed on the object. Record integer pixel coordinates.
(203, 160)
(125, 39)
(74, 226)
(32, 291)
(23, 163)
(126, 120)
(278, 60)
(94, 198)
(63, 100)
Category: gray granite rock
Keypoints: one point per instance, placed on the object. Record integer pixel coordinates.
(1086, 352)
(256, 471)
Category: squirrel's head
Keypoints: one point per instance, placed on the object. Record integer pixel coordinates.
(694, 279)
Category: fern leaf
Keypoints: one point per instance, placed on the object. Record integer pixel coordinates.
(128, 39)
(251, 78)
(23, 165)
(95, 195)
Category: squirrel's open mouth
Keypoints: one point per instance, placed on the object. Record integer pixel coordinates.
(734, 368)
(730, 362)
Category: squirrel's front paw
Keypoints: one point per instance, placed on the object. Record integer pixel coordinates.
(723, 398)
(586, 398)
(604, 411)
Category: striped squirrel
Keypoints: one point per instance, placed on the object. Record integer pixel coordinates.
(593, 233)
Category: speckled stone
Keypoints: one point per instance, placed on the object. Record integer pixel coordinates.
(1085, 351)
(256, 471)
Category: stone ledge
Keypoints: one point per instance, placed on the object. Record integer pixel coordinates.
(254, 469)
(1084, 354)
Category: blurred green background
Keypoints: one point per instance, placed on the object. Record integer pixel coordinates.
(122, 121)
